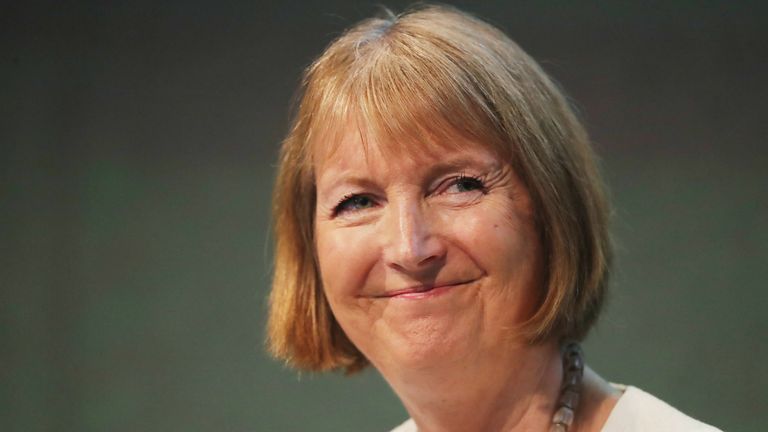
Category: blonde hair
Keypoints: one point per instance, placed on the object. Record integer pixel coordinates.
(425, 76)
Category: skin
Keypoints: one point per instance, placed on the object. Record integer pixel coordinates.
(430, 262)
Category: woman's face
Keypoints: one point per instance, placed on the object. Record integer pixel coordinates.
(425, 259)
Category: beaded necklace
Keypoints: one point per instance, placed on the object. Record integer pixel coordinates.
(573, 371)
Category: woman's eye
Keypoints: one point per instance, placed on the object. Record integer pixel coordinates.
(353, 203)
(466, 184)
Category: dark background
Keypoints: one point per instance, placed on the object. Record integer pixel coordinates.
(138, 147)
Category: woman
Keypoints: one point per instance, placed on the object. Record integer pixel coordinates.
(439, 216)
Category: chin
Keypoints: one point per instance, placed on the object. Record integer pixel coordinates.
(429, 345)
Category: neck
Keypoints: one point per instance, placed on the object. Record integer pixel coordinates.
(512, 391)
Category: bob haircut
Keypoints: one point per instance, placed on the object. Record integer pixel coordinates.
(427, 76)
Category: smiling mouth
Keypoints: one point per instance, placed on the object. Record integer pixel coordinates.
(419, 291)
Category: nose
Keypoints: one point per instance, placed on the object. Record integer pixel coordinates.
(413, 245)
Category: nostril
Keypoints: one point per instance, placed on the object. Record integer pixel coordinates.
(428, 260)
(419, 259)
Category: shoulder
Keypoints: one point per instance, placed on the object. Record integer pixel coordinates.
(407, 426)
(638, 411)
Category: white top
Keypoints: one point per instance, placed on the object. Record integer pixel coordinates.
(636, 411)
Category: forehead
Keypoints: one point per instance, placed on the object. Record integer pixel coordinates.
(353, 146)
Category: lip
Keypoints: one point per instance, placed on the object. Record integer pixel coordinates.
(422, 291)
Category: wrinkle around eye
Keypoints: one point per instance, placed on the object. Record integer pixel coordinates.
(461, 191)
(459, 199)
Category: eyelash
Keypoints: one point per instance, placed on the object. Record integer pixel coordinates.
(349, 199)
(477, 181)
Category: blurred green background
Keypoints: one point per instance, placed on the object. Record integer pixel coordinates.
(138, 144)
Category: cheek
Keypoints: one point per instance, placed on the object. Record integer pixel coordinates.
(498, 237)
(346, 257)
(502, 240)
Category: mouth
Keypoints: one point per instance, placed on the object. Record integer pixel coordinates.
(422, 291)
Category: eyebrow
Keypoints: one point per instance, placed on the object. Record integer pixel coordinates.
(458, 163)
(362, 182)
(436, 170)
